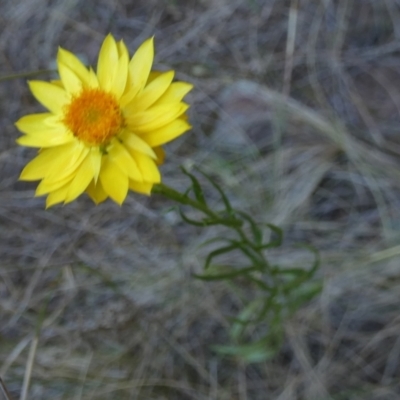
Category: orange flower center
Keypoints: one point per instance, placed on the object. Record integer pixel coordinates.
(94, 117)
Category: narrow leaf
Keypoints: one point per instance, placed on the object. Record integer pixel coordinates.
(191, 221)
(255, 229)
(228, 275)
(274, 242)
(224, 198)
(198, 191)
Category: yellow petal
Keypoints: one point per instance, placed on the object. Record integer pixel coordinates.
(83, 176)
(118, 86)
(46, 138)
(166, 133)
(134, 142)
(49, 185)
(37, 168)
(96, 157)
(151, 93)
(107, 63)
(57, 196)
(153, 75)
(141, 63)
(74, 64)
(141, 187)
(33, 122)
(121, 157)
(122, 49)
(57, 83)
(70, 80)
(160, 155)
(67, 161)
(155, 117)
(148, 168)
(93, 81)
(51, 96)
(96, 192)
(114, 181)
(46, 161)
(175, 93)
(139, 70)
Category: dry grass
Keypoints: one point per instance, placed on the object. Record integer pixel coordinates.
(99, 302)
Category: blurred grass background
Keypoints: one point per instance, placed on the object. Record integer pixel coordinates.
(296, 111)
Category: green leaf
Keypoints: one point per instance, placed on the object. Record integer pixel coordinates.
(198, 191)
(255, 229)
(189, 220)
(304, 294)
(222, 250)
(291, 271)
(253, 255)
(243, 319)
(259, 351)
(226, 275)
(260, 283)
(269, 304)
(224, 198)
(214, 240)
(274, 242)
(302, 275)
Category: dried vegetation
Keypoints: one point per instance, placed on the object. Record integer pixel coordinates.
(297, 112)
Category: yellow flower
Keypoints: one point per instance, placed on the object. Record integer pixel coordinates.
(103, 131)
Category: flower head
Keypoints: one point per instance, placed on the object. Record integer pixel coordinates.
(103, 130)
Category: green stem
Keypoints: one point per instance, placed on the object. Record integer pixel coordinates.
(184, 199)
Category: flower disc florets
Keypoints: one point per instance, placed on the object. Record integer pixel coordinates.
(94, 117)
